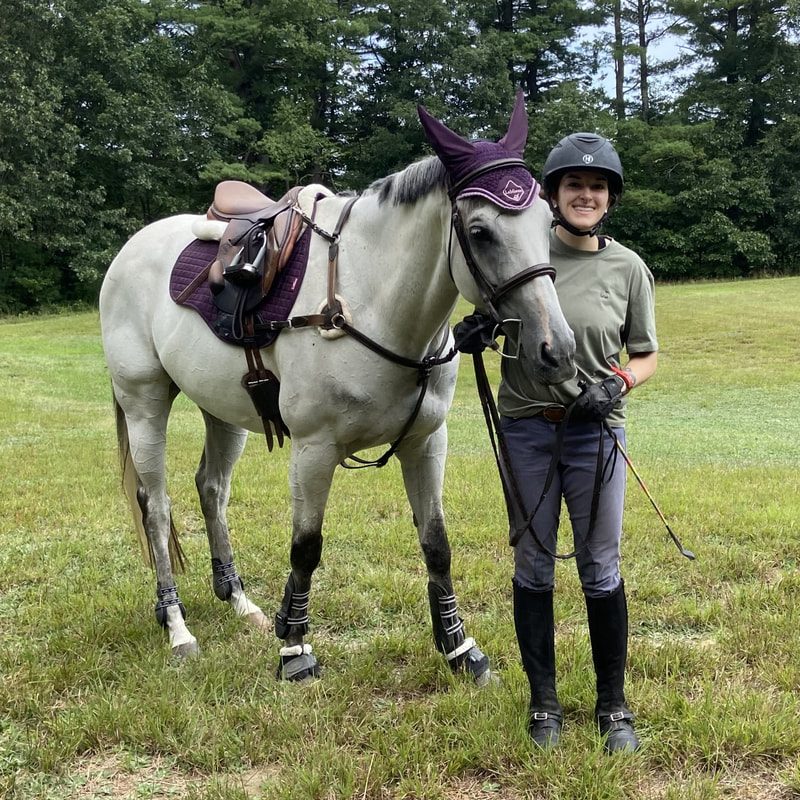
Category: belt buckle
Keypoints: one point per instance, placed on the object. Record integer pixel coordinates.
(554, 413)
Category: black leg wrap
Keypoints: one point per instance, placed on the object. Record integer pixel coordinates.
(225, 577)
(293, 616)
(166, 598)
(448, 631)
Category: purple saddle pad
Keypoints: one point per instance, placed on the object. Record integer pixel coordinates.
(276, 305)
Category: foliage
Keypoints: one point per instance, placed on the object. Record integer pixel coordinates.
(116, 113)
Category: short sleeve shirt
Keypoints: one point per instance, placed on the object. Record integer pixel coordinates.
(608, 299)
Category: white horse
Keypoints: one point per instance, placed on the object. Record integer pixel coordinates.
(398, 276)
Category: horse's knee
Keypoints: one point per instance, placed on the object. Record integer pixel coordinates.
(212, 493)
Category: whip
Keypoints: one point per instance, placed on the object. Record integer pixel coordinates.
(684, 552)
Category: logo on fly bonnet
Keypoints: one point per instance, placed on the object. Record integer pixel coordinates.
(513, 191)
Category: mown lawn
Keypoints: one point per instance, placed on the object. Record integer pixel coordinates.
(91, 706)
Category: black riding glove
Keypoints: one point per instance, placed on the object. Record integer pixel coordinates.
(597, 401)
(474, 333)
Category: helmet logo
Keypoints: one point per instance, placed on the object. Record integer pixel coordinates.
(588, 158)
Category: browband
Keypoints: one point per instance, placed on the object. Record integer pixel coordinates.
(489, 166)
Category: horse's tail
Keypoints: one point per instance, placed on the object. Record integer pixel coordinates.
(131, 485)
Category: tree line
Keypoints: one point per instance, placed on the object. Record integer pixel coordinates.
(114, 113)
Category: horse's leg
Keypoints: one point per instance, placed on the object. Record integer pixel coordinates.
(310, 475)
(224, 444)
(146, 418)
(423, 474)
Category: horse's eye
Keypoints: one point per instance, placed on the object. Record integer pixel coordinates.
(480, 233)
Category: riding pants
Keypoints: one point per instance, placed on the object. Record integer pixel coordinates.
(531, 443)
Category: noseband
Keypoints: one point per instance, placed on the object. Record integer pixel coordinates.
(491, 295)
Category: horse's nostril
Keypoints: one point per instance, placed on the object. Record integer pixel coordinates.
(547, 355)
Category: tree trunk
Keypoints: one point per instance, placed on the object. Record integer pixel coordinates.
(644, 72)
(619, 61)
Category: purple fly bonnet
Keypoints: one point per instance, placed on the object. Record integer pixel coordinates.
(493, 170)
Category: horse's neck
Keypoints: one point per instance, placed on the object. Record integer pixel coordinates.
(405, 272)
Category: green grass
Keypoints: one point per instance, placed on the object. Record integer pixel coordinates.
(91, 705)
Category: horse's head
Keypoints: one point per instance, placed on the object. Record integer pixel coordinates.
(502, 225)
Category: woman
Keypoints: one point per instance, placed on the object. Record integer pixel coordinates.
(606, 293)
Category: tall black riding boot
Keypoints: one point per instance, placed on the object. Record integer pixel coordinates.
(533, 620)
(608, 630)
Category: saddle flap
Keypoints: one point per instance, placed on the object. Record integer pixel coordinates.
(280, 220)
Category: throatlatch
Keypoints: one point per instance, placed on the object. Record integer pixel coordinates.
(448, 633)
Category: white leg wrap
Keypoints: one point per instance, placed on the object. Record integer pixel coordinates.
(464, 647)
(296, 650)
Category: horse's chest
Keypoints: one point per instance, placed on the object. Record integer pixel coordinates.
(375, 403)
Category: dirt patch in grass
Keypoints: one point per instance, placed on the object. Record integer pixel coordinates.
(125, 777)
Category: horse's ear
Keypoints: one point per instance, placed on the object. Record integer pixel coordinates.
(448, 145)
(517, 134)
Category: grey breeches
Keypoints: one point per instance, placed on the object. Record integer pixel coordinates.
(531, 442)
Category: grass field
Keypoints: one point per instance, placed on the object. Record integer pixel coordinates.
(91, 705)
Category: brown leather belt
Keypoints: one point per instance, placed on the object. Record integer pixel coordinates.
(554, 413)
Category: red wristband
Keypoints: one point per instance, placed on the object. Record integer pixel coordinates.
(626, 376)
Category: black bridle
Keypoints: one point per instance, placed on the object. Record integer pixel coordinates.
(490, 295)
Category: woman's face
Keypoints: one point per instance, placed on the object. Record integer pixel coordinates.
(582, 198)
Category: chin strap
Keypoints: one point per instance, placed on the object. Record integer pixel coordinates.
(559, 220)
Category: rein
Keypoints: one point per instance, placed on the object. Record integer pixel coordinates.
(332, 318)
(519, 520)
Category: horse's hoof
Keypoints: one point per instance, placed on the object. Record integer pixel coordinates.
(298, 664)
(186, 650)
(474, 662)
(487, 678)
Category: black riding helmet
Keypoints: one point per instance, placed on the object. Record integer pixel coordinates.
(583, 151)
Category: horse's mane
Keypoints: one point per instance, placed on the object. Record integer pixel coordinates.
(410, 184)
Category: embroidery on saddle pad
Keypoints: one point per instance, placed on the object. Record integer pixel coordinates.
(276, 305)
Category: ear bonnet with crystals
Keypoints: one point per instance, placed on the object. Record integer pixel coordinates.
(495, 171)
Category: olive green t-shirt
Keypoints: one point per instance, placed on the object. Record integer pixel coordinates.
(607, 297)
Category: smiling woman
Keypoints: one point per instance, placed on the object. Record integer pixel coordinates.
(582, 200)
(556, 439)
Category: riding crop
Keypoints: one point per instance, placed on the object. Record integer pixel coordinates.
(684, 552)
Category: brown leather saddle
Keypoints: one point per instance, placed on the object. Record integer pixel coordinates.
(255, 246)
(258, 241)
